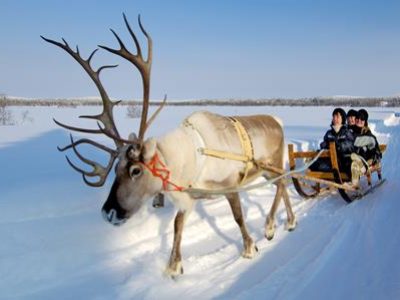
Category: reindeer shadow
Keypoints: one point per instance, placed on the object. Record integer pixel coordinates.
(167, 216)
(213, 224)
(33, 161)
(247, 199)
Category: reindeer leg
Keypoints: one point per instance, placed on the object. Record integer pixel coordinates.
(270, 222)
(249, 247)
(174, 267)
(291, 218)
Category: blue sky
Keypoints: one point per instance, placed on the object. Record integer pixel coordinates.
(206, 49)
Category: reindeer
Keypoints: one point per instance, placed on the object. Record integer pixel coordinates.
(147, 167)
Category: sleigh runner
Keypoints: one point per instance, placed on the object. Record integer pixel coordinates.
(314, 183)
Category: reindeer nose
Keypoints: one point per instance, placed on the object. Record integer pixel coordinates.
(111, 217)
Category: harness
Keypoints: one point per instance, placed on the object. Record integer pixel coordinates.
(163, 173)
(247, 156)
(158, 169)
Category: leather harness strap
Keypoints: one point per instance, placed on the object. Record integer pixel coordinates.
(247, 155)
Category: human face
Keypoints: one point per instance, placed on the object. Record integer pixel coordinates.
(336, 119)
(360, 123)
(351, 120)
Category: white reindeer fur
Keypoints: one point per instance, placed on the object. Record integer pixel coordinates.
(179, 151)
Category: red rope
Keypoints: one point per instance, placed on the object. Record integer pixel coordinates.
(162, 172)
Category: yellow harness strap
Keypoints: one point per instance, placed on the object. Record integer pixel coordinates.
(247, 156)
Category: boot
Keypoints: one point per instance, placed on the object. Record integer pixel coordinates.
(357, 169)
(355, 173)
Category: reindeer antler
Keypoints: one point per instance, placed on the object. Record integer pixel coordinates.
(106, 117)
(143, 65)
(98, 170)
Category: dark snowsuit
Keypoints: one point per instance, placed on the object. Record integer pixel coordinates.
(344, 141)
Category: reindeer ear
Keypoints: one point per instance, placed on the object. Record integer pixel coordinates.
(132, 137)
(133, 152)
(149, 149)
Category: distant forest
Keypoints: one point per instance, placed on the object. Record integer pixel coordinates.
(316, 101)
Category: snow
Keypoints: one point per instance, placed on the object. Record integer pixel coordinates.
(55, 244)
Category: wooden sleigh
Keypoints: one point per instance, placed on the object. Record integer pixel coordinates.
(311, 183)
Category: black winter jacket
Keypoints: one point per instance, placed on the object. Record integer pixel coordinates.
(344, 140)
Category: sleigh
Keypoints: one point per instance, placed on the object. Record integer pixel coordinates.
(313, 183)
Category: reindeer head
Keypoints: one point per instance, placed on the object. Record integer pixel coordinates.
(133, 183)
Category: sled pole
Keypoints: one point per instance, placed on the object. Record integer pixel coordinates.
(301, 176)
(266, 167)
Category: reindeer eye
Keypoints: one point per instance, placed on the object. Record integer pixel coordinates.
(135, 171)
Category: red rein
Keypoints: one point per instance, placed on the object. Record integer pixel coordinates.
(158, 169)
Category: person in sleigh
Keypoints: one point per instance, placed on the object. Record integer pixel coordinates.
(366, 148)
(344, 140)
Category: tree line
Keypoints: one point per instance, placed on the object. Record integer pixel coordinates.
(315, 101)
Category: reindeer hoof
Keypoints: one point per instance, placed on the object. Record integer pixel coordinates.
(269, 233)
(250, 251)
(174, 271)
(290, 226)
(269, 237)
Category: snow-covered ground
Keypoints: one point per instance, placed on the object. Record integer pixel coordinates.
(55, 244)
